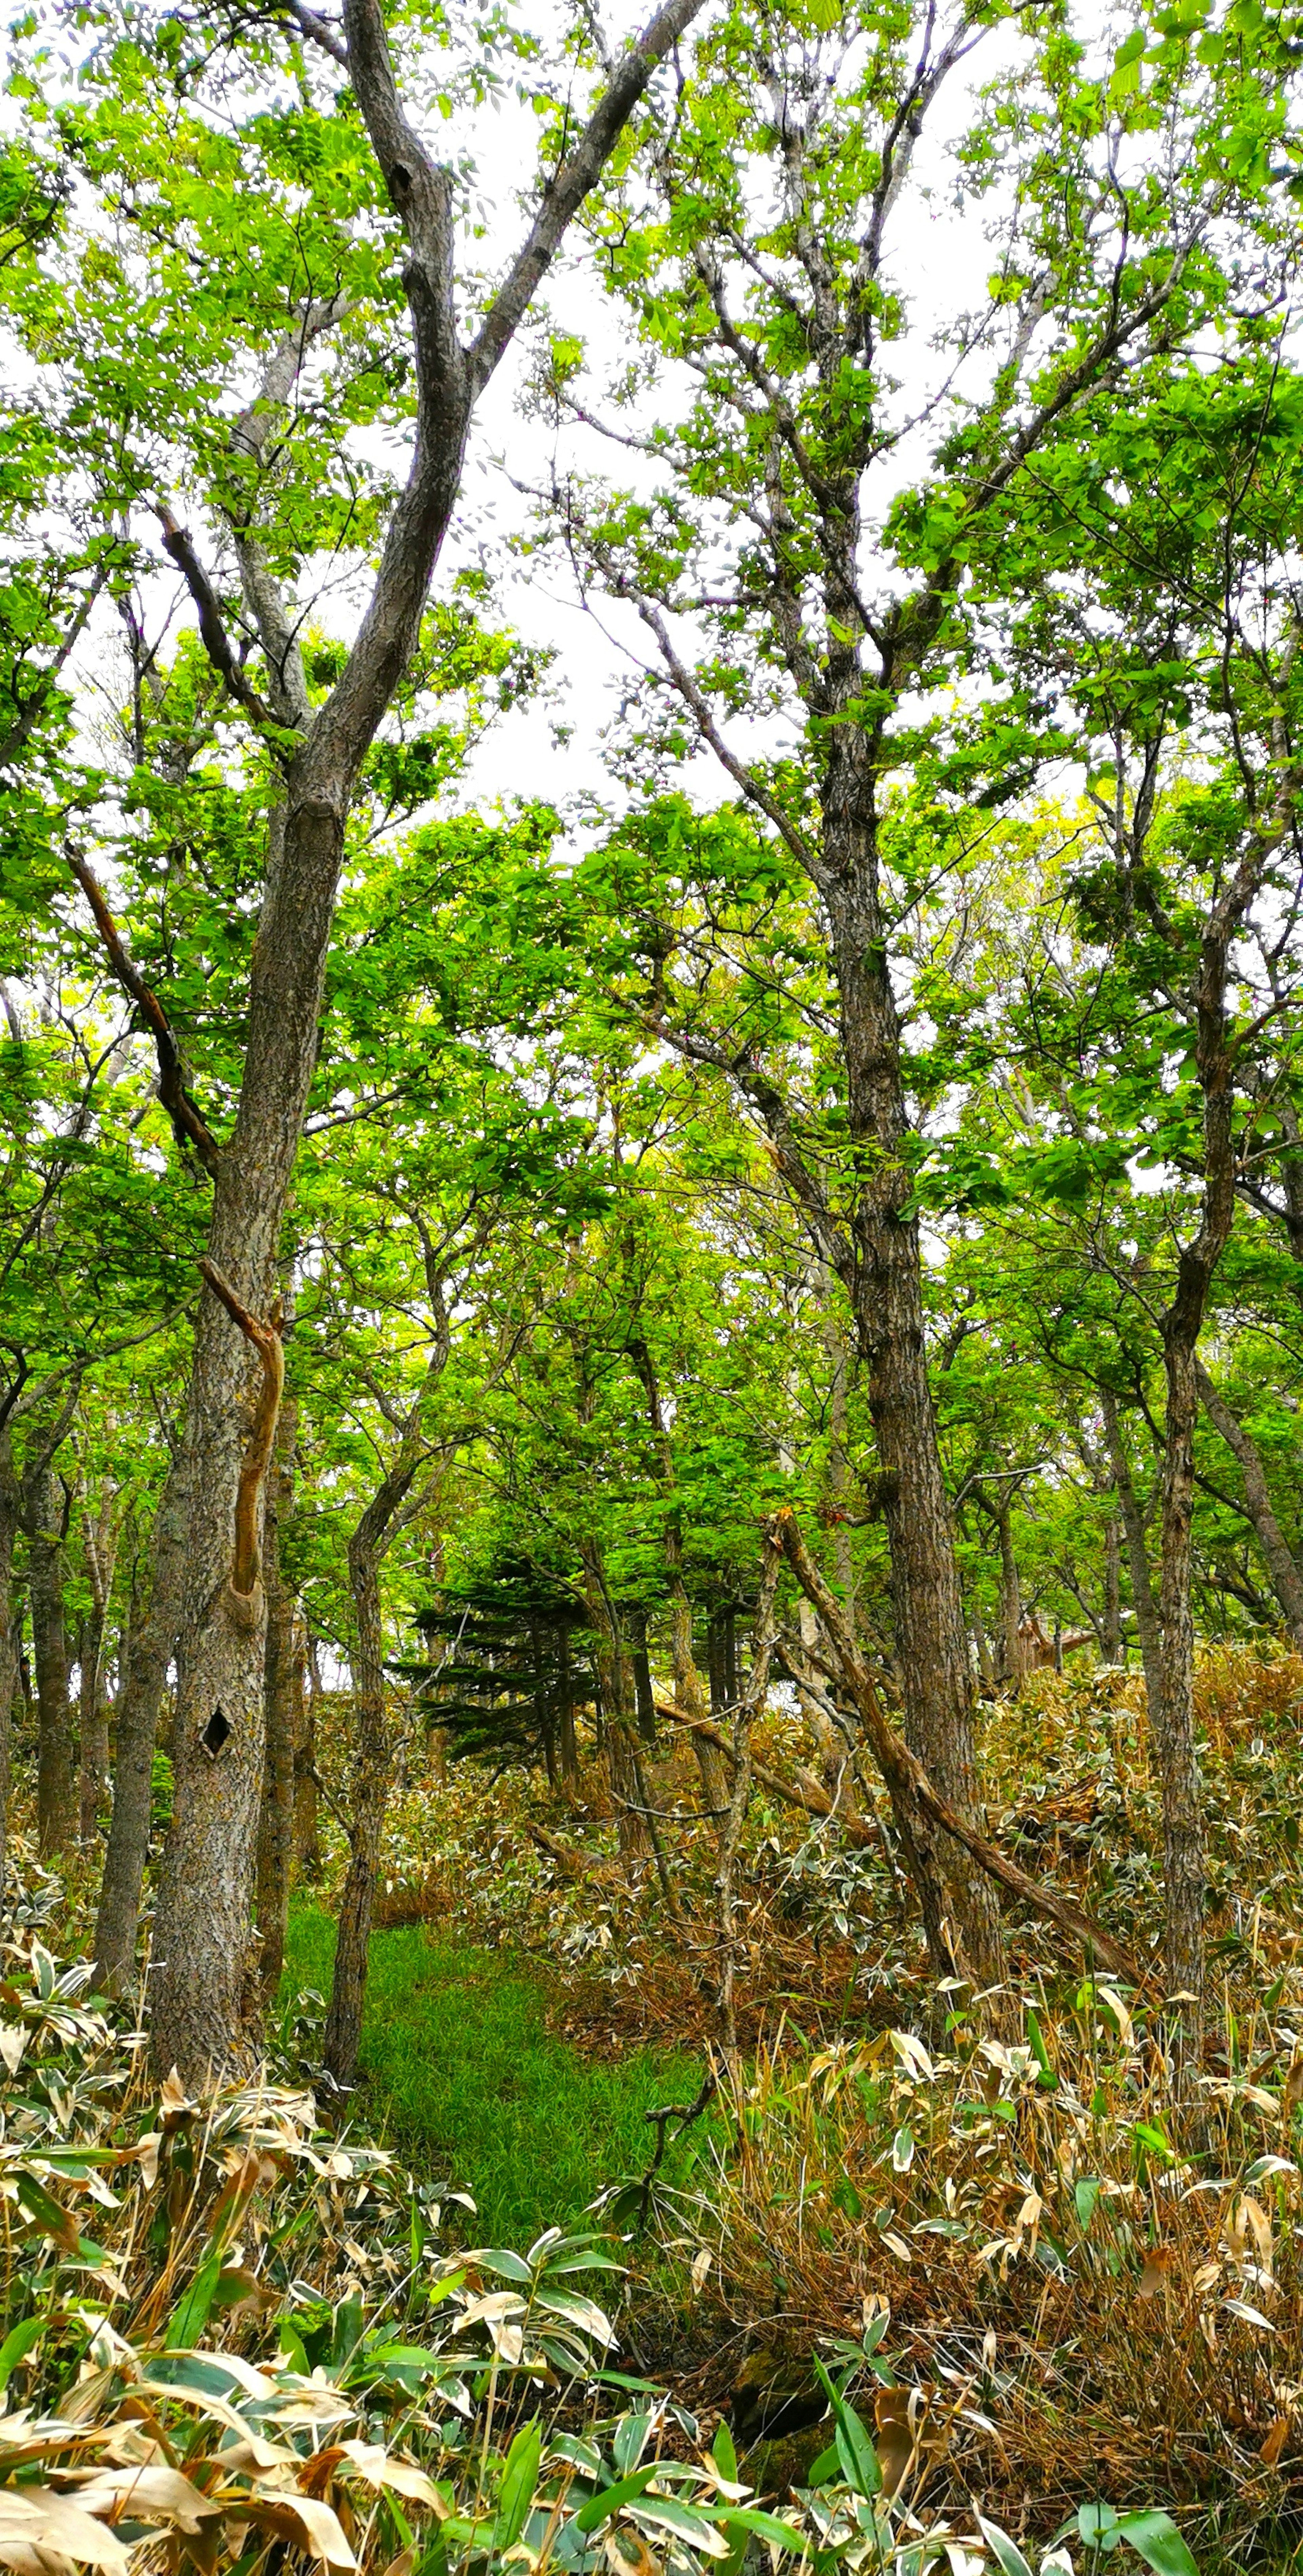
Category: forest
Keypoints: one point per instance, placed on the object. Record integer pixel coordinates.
(651, 1288)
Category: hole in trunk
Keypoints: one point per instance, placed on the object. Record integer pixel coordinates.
(216, 1732)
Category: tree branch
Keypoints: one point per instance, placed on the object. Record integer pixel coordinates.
(188, 1127)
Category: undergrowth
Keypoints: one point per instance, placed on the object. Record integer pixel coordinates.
(462, 2074)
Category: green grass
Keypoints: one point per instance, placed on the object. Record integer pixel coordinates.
(465, 2081)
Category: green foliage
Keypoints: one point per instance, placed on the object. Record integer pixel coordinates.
(465, 2075)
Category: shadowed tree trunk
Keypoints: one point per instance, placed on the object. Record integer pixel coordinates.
(8, 1646)
(307, 1846)
(151, 1643)
(392, 1507)
(56, 1793)
(1148, 1627)
(99, 1541)
(283, 1695)
(689, 1690)
(1287, 1582)
(1112, 1623)
(206, 1880)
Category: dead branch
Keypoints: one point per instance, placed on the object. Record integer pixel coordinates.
(908, 1786)
(266, 1341)
(188, 1127)
(216, 642)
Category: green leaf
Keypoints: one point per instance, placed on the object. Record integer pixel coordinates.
(599, 2508)
(1007, 2552)
(519, 2479)
(766, 2526)
(1036, 2042)
(1085, 2193)
(722, 2451)
(1155, 2538)
(191, 2313)
(858, 2458)
(18, 2343)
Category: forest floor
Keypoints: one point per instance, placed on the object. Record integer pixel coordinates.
(1094, 2287)
(465, 2072)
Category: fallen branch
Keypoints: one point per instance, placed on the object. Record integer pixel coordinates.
(266, 1341)
(811, 1801)
(911, 1792)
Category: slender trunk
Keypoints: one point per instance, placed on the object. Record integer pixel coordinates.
(283, 1706)
(1184, 1871)
(151, 1642)
(94, 1723)
(566, 1739)
(1113, 1648)
(931, 1644)
(370, 1791)
(1010, 1605)
(641, 1661)
(1287, 1581)
(689, 1691)
(8, 1659)
(985, 1659)
(1148, 1628)
(100, 1548)
(56, 1795)
(307, 1845)
(615, 1681)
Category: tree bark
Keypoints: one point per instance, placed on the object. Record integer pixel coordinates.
(931, 1642)
(8, 1658)
(1010, 1604)
(1287, 1582)
(1112, 1621)
(370, 1791)
(615, 1682)
(56, 1794)
(689, 1690)
(307, 1846)
(99, 1547)
(1148, 1627)
(283, 1704)
(151, 1643)
(206, 1881)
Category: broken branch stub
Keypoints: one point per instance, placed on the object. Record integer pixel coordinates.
(266, 1341)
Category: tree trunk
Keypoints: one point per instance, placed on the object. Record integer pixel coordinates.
(8, 1664)
(1184, 1872)
(641, 1661)
(283, 1717)
(1287, 1582)
(99, 1540)
(1010, 1605)
(370, 1791)
(688, 1688)
(151, 1642)
(620, 1745)
(1112, 1622)
(931, 1644)
(202, 1931)
(1148, 1627)
(94, 1723)
(307, 1846)
(56, 1795)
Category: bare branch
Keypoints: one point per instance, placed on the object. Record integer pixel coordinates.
(188, 1126)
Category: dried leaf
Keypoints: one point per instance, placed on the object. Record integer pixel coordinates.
(37, 2518)
(1155, 2270)
(1275, 2442)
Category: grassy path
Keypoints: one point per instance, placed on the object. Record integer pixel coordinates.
(466, 2082)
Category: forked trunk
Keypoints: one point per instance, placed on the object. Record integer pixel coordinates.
(151, 1643)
